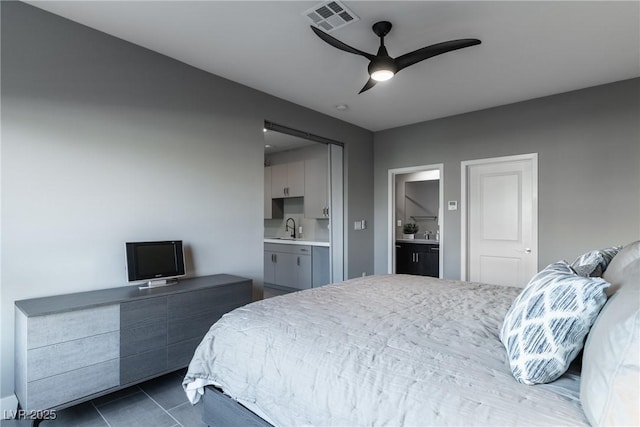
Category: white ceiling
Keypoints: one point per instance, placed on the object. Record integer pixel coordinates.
(528, 50)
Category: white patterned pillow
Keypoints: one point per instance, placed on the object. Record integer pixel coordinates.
(594, 263)
(545, 327)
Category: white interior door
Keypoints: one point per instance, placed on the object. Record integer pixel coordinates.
(501, 218)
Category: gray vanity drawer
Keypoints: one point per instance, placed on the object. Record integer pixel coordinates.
(288, 249)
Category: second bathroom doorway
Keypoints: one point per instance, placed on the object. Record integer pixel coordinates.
(415, 229)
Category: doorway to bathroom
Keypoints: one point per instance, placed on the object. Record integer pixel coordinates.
(416, 226)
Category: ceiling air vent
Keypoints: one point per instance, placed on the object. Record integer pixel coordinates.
(330, 15)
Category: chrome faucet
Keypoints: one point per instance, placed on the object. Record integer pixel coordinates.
(293, 229)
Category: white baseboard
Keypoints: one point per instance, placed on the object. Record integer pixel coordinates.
(7, 405)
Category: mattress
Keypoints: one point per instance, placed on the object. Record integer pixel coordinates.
(378, 350)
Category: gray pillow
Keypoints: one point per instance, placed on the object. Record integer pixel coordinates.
(545, 327)
(594, 263)
(610, 380)
(619, 270)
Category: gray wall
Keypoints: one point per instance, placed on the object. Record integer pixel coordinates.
(588, 143)
(105, 142)
(417, 198)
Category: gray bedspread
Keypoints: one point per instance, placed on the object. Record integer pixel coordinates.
(381, 350)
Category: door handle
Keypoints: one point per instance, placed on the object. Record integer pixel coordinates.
(298, 261)
(526, 250)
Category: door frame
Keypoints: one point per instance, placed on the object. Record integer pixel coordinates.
(464, 198)
(391, 205)
(339, 231)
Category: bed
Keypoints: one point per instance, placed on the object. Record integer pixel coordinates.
(384, 350)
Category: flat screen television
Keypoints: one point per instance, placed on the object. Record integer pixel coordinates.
(161, 262)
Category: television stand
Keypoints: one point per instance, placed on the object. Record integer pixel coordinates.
(114, 338)
(159, 283)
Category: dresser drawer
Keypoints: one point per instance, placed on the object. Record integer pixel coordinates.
(192, 327)
(149, 335)
(68, 356)
(59, 389)
(143, 365)
(71, 325)
(180, 354)
(189, 304)
(137, 313)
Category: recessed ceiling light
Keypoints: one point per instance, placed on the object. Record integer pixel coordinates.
(267, 145)
(342, 107)
(264, 129)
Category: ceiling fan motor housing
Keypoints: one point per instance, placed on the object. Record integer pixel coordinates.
(382, 61)
(381, 28)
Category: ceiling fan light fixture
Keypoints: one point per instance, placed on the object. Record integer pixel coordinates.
(382, 75)
(382, 67)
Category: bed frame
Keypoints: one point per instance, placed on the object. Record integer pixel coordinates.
(221, 411)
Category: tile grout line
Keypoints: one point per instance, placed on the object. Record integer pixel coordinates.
(161, 407)
(100, 413)
(116, 399)
(178, 405)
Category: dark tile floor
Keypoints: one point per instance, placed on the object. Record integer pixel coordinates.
(160, 402)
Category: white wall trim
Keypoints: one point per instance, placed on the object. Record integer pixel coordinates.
(391, 213)
(464, 166)
(7, 405)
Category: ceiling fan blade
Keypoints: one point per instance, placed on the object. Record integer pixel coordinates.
(370, 83)
(430, 51)
(339, 45)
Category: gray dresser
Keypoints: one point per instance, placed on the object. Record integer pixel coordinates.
(74, 347)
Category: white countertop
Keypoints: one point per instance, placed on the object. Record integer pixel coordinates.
(419, 241)
(297, 242)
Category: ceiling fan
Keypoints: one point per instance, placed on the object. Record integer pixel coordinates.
(381, 66)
